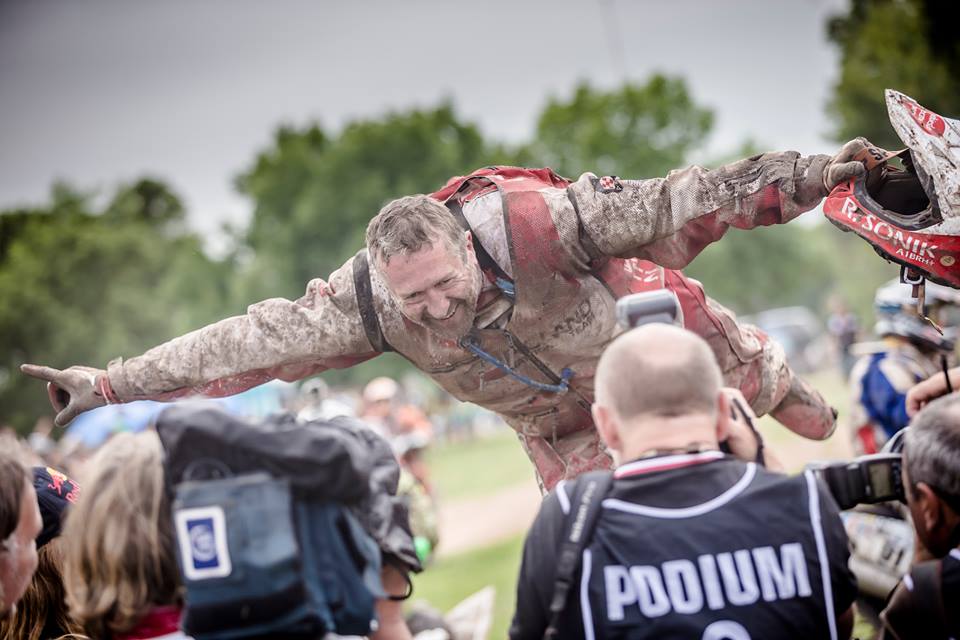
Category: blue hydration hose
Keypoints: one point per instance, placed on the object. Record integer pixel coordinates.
(470, 344)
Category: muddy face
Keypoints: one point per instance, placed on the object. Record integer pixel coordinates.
(435, 287)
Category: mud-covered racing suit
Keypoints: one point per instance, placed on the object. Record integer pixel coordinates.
(561, 254)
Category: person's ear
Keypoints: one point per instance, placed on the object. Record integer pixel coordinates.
(469, 240)
(606, 426)
(928, 508)
(724, 416)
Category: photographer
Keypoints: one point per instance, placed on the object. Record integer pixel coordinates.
(920, 607)
(687, 541)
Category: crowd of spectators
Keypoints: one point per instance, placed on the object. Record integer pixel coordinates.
(720, 532)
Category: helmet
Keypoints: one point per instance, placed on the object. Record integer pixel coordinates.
(910, 216)
(380, 389)
(315, 388)
(897, 314)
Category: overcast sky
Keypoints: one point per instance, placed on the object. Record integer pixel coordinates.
(189, 90)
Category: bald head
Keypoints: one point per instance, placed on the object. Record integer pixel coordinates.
(658, 370)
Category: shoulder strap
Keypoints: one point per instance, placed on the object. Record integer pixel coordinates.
(579, 525)
(368, 313)
(487, 263)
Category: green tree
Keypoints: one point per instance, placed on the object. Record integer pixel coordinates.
(907, 45)
(635, 131)
(83, 286)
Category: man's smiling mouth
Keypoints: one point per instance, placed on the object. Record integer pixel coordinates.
(453, 310)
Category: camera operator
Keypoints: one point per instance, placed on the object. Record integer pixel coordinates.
(920, 607)
(687, 542)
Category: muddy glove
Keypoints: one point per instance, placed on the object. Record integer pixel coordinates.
(73, 390)
(853, 160)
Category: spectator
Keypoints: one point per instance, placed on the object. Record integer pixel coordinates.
(689, 542)
(20, 524)
(912, 350)
(120, 570)
(922, 604)
(39, 439)
(843, 327)
(318, 403)
(42, 614)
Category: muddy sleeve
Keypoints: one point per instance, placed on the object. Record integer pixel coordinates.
(670, 220)
(276, 338)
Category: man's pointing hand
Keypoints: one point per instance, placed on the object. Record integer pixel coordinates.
(72, 391)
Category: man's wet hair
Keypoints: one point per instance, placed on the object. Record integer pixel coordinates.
(407, 225)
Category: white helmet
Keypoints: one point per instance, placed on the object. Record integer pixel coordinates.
(380, 389)
(315, 389)
(897, 314)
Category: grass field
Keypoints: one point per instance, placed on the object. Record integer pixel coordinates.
(478, 467)
(452, 579)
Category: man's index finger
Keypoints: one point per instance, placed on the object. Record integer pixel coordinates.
(37, 371)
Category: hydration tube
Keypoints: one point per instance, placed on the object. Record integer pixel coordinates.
(470, 344)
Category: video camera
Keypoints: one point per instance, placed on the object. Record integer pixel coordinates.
(650, 306)
(867, 479)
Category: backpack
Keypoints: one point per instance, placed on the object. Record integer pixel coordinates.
(266, 522)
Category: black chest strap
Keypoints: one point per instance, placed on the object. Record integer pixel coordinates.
(368, 313)
(487, 263)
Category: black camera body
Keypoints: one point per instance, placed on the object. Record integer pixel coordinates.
(868, 479)
(865, 480)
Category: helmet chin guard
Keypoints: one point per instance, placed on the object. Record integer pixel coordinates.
(910, 216)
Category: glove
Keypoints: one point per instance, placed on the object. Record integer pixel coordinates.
(73, 390)
(853, 160)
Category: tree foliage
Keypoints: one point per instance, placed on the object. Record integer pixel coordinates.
(84, 286)
(636, 131)
(907, 45)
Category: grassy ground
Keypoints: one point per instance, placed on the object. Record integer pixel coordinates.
(471, 469)
(478, 467)
(452, 579)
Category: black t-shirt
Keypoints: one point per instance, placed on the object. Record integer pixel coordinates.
(950, 585)
(924, 606)
(694, 546)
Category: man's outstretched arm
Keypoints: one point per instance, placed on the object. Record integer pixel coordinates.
(670, 220)
(276, 338)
